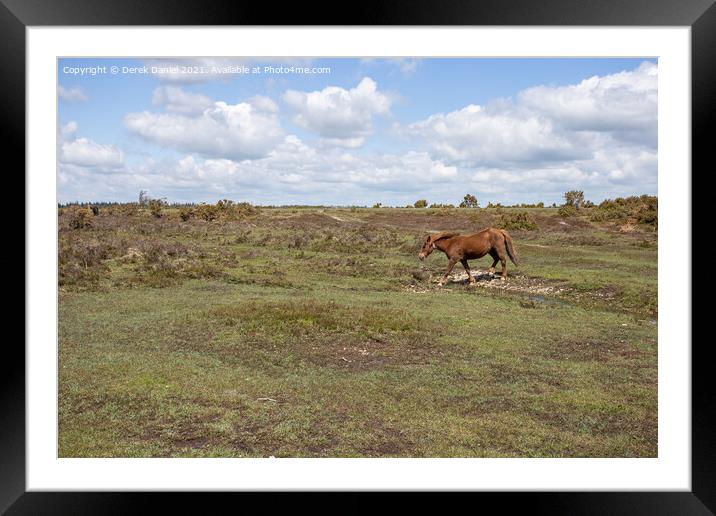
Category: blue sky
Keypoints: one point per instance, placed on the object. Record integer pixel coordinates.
(358, 131)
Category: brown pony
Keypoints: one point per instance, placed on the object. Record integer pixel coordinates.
(461, 248)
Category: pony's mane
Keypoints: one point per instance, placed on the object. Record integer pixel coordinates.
(445, 234)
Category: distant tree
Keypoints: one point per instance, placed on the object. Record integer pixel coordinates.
(143, 198)
(420, 203)
(469, 201)
(574, 198)
(377, 205)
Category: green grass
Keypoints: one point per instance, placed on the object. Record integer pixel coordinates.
(308, 336)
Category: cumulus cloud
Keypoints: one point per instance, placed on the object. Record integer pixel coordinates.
(495, 134)
(624, 103)
(73, 94)
(293, 171)
(339, 116)
(247, 130)
(599, 133)
(83, 152)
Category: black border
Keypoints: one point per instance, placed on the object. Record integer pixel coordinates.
(700, 15)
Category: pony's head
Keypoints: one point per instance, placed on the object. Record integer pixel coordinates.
(429, 245)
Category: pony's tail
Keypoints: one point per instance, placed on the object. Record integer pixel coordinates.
(510, 249)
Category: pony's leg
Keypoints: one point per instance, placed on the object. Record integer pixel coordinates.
(467, 269)
(451, 264)
(501, 253)
(495, 258)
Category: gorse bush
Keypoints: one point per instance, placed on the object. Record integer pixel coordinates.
(78, 217)
(186, 213)
(223, 210)
(567, 210)
(206, 212)
(522, 220)
(624, 210)
(155, 207)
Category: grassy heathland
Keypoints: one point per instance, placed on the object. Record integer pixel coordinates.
(317, 332)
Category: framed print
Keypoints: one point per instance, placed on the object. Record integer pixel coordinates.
(423, 256)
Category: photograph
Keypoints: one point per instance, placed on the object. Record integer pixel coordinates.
(346, 257)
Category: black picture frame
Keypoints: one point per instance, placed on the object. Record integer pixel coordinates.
(700, 15)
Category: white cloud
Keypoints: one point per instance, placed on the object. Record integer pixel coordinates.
(83, 152)
(246, 130)
(176, 100)
(339, 115)
(292, 172)
(598, 135)
(494, 134)
(624, 103)
(73, 94)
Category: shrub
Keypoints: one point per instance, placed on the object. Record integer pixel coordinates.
(420, 203)
(186, 213)
(630, 210)
(225, 210)
(517, 221)
(128, 209)
(78, 217)
(155, 207)
(567, 210)
(207, 212)
(81, 260)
